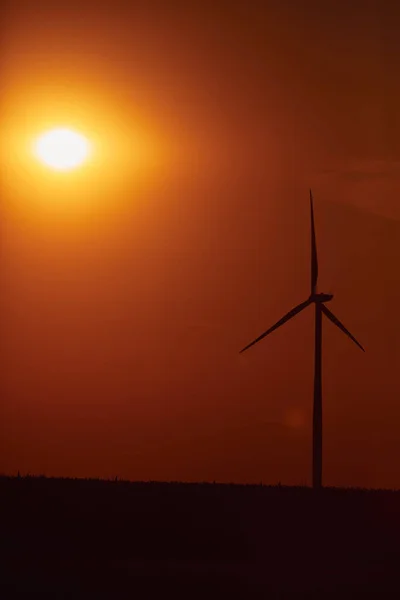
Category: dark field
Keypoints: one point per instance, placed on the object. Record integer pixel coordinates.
(64, 538)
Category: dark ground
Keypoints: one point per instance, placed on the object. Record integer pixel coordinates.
(65, 538)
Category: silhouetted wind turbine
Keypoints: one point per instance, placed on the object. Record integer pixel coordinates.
(319, 300)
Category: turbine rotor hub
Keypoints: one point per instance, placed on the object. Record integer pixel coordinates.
(321, 297)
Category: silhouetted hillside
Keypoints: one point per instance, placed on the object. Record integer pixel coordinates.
(91, 536)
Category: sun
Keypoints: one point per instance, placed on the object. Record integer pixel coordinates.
(62, 149)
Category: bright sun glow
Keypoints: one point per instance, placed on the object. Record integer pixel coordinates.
(62, 149)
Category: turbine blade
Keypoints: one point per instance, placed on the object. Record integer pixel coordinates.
(336, 322)
(314, 259)
(292, 313)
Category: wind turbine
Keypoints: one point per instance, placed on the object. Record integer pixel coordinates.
(319, 300)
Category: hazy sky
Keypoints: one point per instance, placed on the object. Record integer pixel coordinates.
(128, 289)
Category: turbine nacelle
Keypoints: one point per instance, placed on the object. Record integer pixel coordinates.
(321, 298)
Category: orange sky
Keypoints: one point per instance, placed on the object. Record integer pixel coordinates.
(128, 290)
